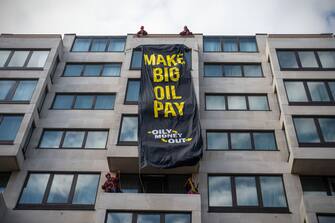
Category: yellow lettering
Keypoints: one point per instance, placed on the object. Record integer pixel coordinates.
(171, 60)
(180, 107)
(180, 58)
(159, 92)
(174, 74)
(151, 60)
(158, 74)
(158, 106)
(169, 110)
(160, 59)
(173, 93)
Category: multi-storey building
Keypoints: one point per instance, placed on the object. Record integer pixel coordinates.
(68, 116)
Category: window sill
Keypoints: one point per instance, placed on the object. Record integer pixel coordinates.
(55, 207)
(249, 210)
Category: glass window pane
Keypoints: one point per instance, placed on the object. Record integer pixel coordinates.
(332, 185)
(5, 87)
(258, 103)
(296, 91)
(92, 70)
(4, 178)
(133, 91)
(84, 102)
(136, 60)
(177, 218)
(111, 70)
(105, 102)
(116, 45)
(332, 88)
(73, 139)
(38, 59)
(215, 102)
(264, 141)
(81, 45)
(240, 140)
(213, 70)
(9, 126)
(318, 91)
(129, 129)
(219, 191)
(273, 194)
(248, 45)
(306, 130)
(326, 219)
(4, 54)
(287, 59)
(230, 45)
(313, 185)
(18, 59)
(307, 59)
(327, 126)
(99, 45)
(34, 190)
(60, 188)
(246, 193)
(51, 139)
(232, 70)
(130, 183)
(63, 102)
(73, 70)
(217, 141)
(96, 139)
(86, 189)
(119, 217)
(327, 59)
(253, 70)
(148, 218)
(212, 45)
(237, 103)
(24, 91)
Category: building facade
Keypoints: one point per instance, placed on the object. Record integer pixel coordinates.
(68, 116)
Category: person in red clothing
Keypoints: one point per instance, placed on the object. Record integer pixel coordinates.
(185, 32)
(112, 184)
(142, 32)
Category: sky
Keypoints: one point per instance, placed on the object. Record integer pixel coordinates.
(210, 17)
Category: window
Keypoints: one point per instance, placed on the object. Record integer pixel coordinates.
(306, 59)
(136, 60)
(128, 130)
(59, 191)
(4, 178)
(87, 44)
(73, 139)
(84, 101)
(315, 131)
(232, 70)
(318, 185)
(246, 194)
(326, 218)
(147, 217)
(237, 102)
(16, 90)
(230, 44)
(171, 183)
(9, 126)
(241, 140)
(92, 70)
(310, 92)
(23, 58)
(133, 91)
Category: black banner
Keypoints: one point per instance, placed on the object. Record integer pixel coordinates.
(169, 125)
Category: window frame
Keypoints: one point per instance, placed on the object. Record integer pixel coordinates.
(83, 143)
(252, 140)
(85, 64)
(126, 143)
(324, 214)
(132, 58)
(237, 38)
(325, 182)
(308, 93)
(10, 142)
(125, 97)
(135, 214)
(242, 70)
(11, 93)
(300, 67)
(25, 65)
(57, 206)
(75, 95)
(248, 209)
(92, 38)
(246, 96)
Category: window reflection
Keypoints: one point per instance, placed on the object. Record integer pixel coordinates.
(86, 189)
(246, 192)
(60, 188)
(33, 191)
(219, 191)
(128, 131)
